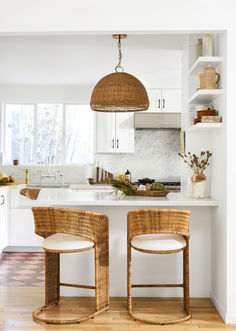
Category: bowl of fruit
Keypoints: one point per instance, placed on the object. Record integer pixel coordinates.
(7, 180)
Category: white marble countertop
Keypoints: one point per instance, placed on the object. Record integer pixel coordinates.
(85, 198)
(101, 197)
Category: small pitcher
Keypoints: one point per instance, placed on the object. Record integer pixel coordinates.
(209, 78)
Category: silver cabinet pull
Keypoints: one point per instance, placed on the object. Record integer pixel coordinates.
(113, 143)
(3, 199)
(163, 103)
(159, 103)
(117, 143)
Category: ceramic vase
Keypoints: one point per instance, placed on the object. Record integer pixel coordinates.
(198, 185)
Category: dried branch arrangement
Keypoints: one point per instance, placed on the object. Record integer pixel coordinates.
(197, 163)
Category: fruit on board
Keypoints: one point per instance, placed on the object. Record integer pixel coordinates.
(157, 187)
(5, 180)
(2, 175)
(11, 179)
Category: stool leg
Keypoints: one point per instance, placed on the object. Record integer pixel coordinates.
(129, 279)
(101, 278)
(186, 278)
(52, 278)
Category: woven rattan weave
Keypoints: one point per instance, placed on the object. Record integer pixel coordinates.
(119, 92)
(85, 224)
(152, 221)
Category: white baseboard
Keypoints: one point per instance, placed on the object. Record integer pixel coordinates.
(219, 308)
(23, 249)
(230, 319)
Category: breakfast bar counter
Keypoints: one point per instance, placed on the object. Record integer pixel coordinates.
(109, 199)
(79, 268)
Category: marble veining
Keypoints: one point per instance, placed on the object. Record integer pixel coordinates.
(156, 156)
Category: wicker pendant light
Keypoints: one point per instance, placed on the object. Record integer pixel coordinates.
(119, 91)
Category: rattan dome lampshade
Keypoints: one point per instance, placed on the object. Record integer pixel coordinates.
(119, 92)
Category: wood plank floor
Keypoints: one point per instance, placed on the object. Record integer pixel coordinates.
(17, 304)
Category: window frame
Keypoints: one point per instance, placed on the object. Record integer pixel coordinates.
(35, 105)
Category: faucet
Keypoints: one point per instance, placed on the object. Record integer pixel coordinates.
(58, 176)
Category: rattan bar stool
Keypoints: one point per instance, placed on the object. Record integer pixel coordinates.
(69, 231)
(154, 231)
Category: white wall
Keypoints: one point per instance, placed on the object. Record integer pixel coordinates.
(155, 16)
(83, 60)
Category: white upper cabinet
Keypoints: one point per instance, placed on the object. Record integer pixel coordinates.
(171, 100)
(164, 100)
(124, 133)
(154, 95)
(105, 132)
(114, 132)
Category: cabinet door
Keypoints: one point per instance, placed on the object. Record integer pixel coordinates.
(3, 220)
(171, 100)
(124, 133)
(22, 228)
(154, 95)
(105, 133)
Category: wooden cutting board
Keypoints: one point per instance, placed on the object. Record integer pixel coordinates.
(151, 193)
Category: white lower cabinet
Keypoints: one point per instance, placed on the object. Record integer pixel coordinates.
(3, 219)
(114, 133)
(22, 228)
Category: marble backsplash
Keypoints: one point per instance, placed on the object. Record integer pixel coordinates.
(72, 174)
(156, 156)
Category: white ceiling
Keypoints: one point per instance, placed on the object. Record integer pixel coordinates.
(83, 60)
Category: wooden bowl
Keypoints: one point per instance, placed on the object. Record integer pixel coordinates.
(92, 181)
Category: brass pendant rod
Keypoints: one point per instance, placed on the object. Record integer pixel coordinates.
(119, 66)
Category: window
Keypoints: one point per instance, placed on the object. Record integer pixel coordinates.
(61, 133)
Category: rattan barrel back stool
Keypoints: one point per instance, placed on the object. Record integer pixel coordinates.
(69, 231)
(163, 231)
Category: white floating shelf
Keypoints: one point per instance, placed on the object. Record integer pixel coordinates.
(204, 61)
(204, 96)
(205, 127)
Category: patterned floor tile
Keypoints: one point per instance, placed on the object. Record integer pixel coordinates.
(21, 269)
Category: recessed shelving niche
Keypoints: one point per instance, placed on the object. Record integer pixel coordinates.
(204, 61)
(205, 127)
(204, 96)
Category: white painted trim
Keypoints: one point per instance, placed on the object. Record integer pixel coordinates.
(230, 319)
(219, 308)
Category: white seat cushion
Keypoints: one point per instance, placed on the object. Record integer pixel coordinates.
(159, 242)
(65, 242)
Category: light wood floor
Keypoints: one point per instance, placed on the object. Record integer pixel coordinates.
(17, 304)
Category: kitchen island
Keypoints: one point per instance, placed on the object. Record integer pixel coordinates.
(78, 268)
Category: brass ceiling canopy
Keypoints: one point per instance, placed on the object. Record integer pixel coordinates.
(119, 91)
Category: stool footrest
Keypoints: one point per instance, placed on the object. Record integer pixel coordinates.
(157, 285)
(77, 285)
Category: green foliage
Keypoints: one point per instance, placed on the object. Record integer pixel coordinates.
(157, 187)
(125, 187)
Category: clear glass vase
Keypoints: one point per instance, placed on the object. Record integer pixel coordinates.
(198, 185)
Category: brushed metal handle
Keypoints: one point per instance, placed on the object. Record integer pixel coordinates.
(3, 199)
(113, 143)
(159, 103)
(163, 103)
(117, 143)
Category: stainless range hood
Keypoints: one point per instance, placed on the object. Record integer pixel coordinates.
(148, 120)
